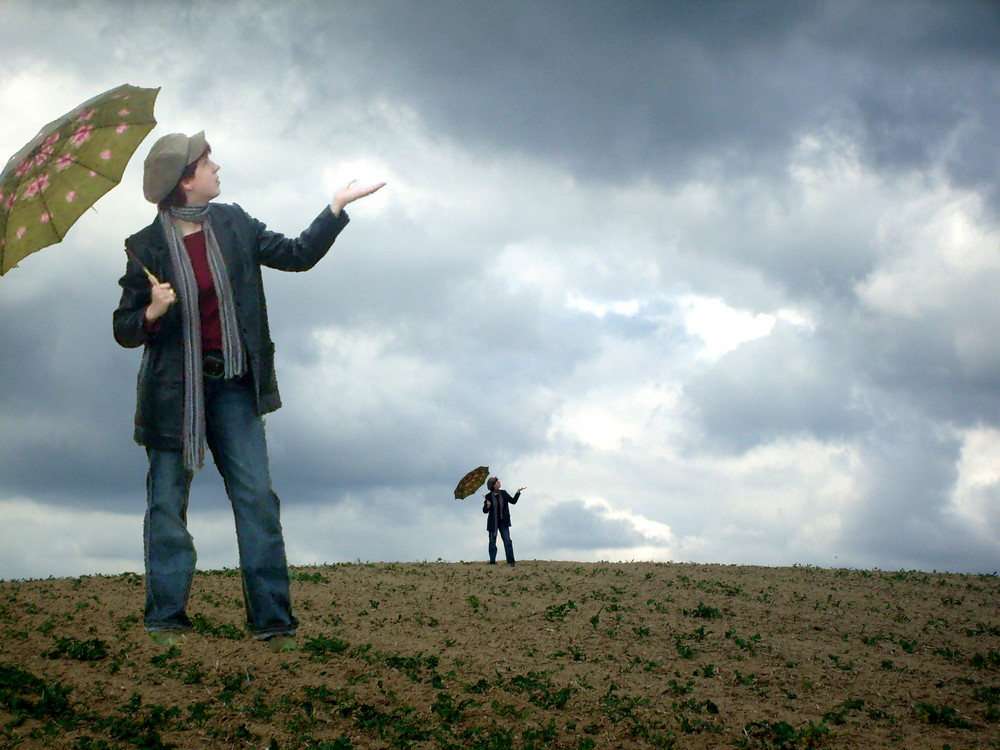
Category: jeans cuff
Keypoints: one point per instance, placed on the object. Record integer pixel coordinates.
(265, 634)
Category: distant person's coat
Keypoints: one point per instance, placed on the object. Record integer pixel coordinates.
(503, 506)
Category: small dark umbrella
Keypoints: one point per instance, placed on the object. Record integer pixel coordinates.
(471, 482)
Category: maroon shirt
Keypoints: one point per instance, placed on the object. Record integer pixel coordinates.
(208, 302)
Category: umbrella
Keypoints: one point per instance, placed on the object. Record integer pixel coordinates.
(73, 161)
(471, 482)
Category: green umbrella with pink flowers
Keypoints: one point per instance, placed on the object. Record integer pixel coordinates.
(471, 482)
(73, 161)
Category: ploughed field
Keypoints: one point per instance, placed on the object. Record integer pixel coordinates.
(542, 655)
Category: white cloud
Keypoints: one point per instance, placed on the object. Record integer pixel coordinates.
(39, 543)
(358, 374)
(976, 498)
(613, 417)
(935, 243)
(600, 309)
(722, 327)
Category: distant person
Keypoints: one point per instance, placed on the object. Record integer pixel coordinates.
(497, 505)
(193, 296)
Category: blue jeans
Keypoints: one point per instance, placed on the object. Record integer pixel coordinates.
(508, 546)
(235, 436)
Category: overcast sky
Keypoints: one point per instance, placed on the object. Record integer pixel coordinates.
(717, 281)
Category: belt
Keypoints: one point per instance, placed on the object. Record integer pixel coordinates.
(213, 365)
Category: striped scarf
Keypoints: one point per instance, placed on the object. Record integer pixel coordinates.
(498, 506)
(233, 354)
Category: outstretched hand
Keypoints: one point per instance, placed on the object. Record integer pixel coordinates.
(350, 193)
(521, 489)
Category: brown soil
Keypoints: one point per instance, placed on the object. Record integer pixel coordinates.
(543, 655)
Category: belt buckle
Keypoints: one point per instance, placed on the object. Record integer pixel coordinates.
(213, 365)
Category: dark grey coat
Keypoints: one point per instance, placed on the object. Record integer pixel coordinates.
(246, 245)
(491, 518)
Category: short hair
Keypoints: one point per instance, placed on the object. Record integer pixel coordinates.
(177, 197)
(490, 483)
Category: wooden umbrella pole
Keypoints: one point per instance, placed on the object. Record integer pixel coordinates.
(149, 274)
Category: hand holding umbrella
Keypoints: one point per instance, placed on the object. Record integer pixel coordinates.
(162, 297)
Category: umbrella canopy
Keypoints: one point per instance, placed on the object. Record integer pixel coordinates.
(471, 482)
(73, 161)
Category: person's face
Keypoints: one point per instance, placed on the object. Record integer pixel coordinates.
(496, 485)
(204, 185)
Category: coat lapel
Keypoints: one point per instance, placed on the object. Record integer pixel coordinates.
(228, 239)
(155, 255)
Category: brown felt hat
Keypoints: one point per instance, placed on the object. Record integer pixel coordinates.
(166, 163)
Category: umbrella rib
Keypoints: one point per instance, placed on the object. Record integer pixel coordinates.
(52, 219)
(95, 170)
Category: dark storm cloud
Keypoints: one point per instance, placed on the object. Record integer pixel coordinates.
(63, 409)
(611, 90)
(574, 526)
(782, 385)
(945, 362)
(656, 88)
(911, 475)
(606, 88)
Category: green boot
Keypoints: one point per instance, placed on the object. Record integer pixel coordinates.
(169, 637)
(281, 644)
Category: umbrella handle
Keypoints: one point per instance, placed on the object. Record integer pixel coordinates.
(149, 274)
